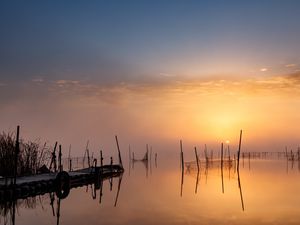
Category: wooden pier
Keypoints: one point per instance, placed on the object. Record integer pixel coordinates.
(61, 182)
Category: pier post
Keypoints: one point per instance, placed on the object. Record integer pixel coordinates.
(17, 150)
(239, 151)
(59, 159)
(197, 159)
(181, 154)
(101, 158)
(120, 158)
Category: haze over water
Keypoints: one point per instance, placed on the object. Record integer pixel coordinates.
(141, 201)
(156, 72)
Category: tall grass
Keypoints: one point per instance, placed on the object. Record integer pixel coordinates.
(31, 157)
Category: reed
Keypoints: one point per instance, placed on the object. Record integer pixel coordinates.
(31, 156)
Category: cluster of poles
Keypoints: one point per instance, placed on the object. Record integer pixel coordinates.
(146, 160)
(208, 161)
(56, 163)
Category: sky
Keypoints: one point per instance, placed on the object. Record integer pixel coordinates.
(151, 72)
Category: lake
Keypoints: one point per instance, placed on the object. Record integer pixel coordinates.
(265, 191)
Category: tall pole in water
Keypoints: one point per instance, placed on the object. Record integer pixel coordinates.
(197, 159)
(59, 159)
(120, 158)
(182, 167)
(17, 150)
(239, 151)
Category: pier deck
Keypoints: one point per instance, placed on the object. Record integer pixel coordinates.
(61, 183)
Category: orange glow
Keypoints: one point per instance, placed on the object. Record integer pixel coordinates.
(199, 112)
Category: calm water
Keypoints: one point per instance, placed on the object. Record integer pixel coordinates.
(269, 188)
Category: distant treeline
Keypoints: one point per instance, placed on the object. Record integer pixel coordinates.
(31, 157)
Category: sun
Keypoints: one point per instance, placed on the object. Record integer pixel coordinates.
(227, 141)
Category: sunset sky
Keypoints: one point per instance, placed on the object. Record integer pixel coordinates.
(152, 72)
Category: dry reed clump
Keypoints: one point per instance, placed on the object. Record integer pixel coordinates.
(31, 157)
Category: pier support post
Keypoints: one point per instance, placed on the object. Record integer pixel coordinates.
(17, 150)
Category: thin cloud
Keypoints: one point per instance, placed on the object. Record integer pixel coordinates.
(290, 65)
(66, 82)
(167, 75)
(37, 80)
(263, 69)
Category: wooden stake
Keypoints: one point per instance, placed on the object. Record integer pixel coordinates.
(222, 155)
(197, 160)
(239, 151)
(101, 158)
(17, 150)
(120, 158)
(59, 159)
(182, 160)
(182, 168)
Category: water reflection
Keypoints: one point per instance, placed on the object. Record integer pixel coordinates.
(9, 208)
(212, 167)
(266, 194)
(146, 160)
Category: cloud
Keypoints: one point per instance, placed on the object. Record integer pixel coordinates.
(167, 75)
(37, 80)
(66, 82)
(290, 65)
(263, 69)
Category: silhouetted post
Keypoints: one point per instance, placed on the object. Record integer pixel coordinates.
(70, 161)
(197, 159)
(182, 168)
(53, 158)
(59, 159)
(206, 156)
(239, 151)
(222, 149)
(120, 158)
(181, 153)
(111, 163)
(222, 155)
(70, 164)
(101, 158)
(95, 165)
(88, 156)
(87, 153)
(155, 159)
(17, 150)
